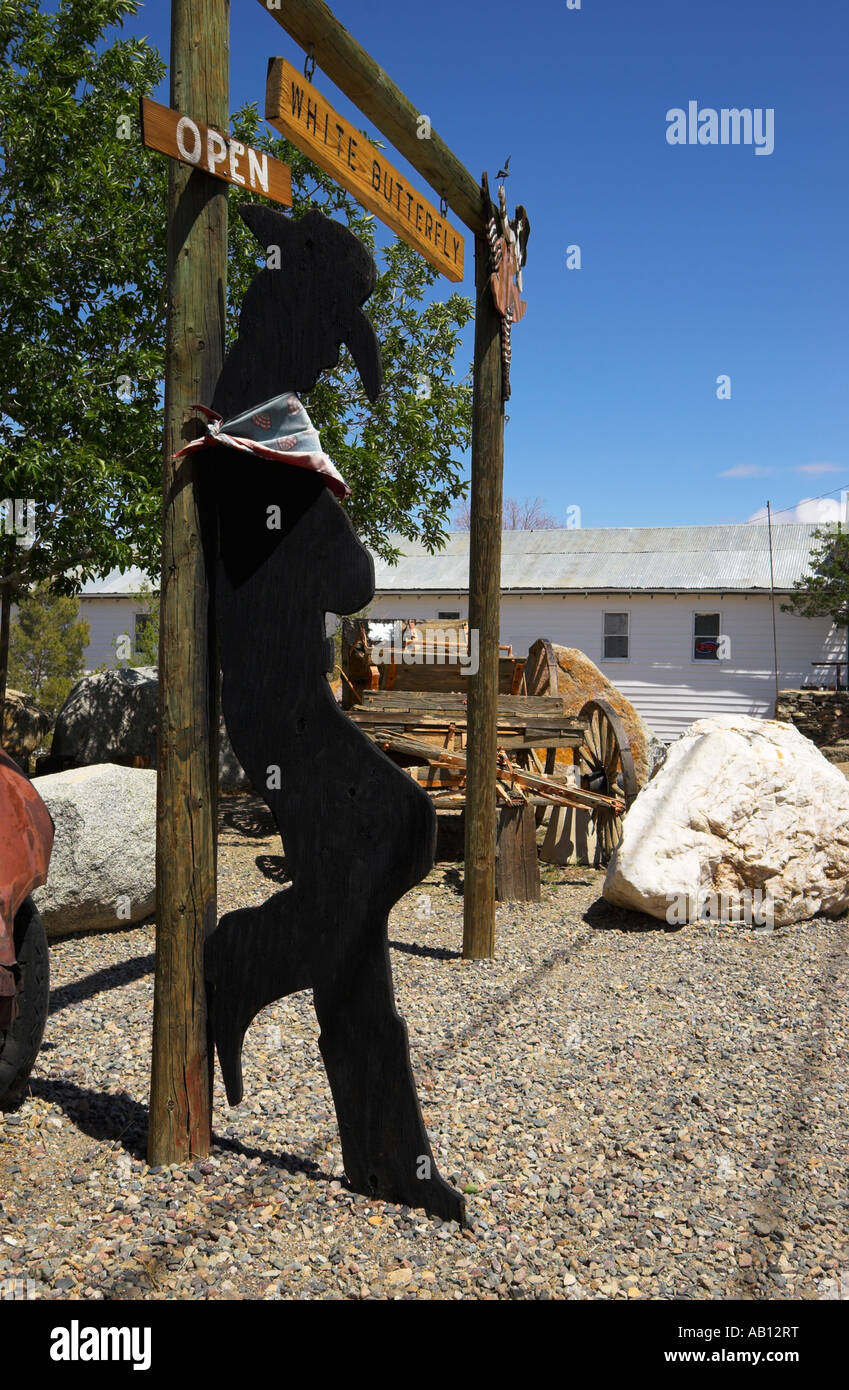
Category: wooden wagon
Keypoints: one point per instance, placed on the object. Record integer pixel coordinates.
(574, 771)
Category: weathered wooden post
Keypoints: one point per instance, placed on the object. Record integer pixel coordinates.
(188, 722)
(484, 614)
(5, 625)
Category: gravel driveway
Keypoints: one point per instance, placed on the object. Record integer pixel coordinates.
(634, 1112)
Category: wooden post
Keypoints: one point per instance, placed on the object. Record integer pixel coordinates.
(188, 686)
(5, 625)
(516, 862)
(484, 616)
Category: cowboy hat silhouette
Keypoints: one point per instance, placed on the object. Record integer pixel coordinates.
(295, 319)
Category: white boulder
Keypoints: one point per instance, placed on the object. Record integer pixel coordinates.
(741, 807)
(103, 867)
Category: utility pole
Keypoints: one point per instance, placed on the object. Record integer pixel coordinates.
(772, 597)
(484, 615)
(5, 625)
(187, 784)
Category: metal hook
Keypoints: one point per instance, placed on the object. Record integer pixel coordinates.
(443, 206)
(309, 64)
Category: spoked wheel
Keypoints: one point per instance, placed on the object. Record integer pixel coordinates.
(606, 766)
(19, 1043)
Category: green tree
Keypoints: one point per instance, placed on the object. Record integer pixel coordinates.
(48, 640)
(81, 295)
(83, 221)
(825, 593)
(146, 647)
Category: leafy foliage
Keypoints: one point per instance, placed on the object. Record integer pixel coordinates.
(48, 640)
(826, 592)
(82, 258)
(83, 218)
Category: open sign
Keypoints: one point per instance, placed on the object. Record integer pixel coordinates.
(192, 142)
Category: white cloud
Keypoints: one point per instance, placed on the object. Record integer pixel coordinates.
(744, 470)
(811, 509)
(820, 468)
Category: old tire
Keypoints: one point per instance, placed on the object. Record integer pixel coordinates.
(20, 1042)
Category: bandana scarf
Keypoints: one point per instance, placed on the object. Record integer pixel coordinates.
(279, 427)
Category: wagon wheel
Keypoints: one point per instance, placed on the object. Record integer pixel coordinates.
(607, 767)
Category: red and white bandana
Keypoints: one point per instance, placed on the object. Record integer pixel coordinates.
(275, 428)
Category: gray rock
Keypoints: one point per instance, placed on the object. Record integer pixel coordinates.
(111, 716)
(24, 725)
(103, 867)
(655, 755)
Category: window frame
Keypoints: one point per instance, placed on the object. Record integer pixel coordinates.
(705, 613)
(623, 612)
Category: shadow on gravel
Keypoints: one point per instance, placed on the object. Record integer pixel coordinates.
(246, 816)
(111, 977)
(286, 1162)
(121, 1121)
(273, 866)
(116, 1119)
(434, 952)
(453, 878)
(603, 916)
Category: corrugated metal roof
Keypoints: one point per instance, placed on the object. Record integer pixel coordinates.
(697, 558)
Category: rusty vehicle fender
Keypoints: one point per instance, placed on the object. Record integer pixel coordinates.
(26, 843)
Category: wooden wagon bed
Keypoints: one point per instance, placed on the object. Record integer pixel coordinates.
(574, 772)
(426, 732)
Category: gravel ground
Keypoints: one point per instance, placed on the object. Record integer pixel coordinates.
(634, 1112)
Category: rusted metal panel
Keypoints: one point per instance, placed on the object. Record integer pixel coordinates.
(26, 842)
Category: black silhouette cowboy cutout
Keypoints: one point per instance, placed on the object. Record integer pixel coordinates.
(357, 832)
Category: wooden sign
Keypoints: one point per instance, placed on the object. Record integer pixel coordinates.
(192, 142)
(299, 112)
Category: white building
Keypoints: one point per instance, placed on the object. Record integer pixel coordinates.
(679, 618)
(115, 608)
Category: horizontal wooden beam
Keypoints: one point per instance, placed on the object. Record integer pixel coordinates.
(314, 26)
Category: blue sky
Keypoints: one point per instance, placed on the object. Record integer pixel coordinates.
(697, 261)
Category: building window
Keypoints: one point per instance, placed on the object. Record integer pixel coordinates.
(706, 632)
(451, 616)
(616, 642)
